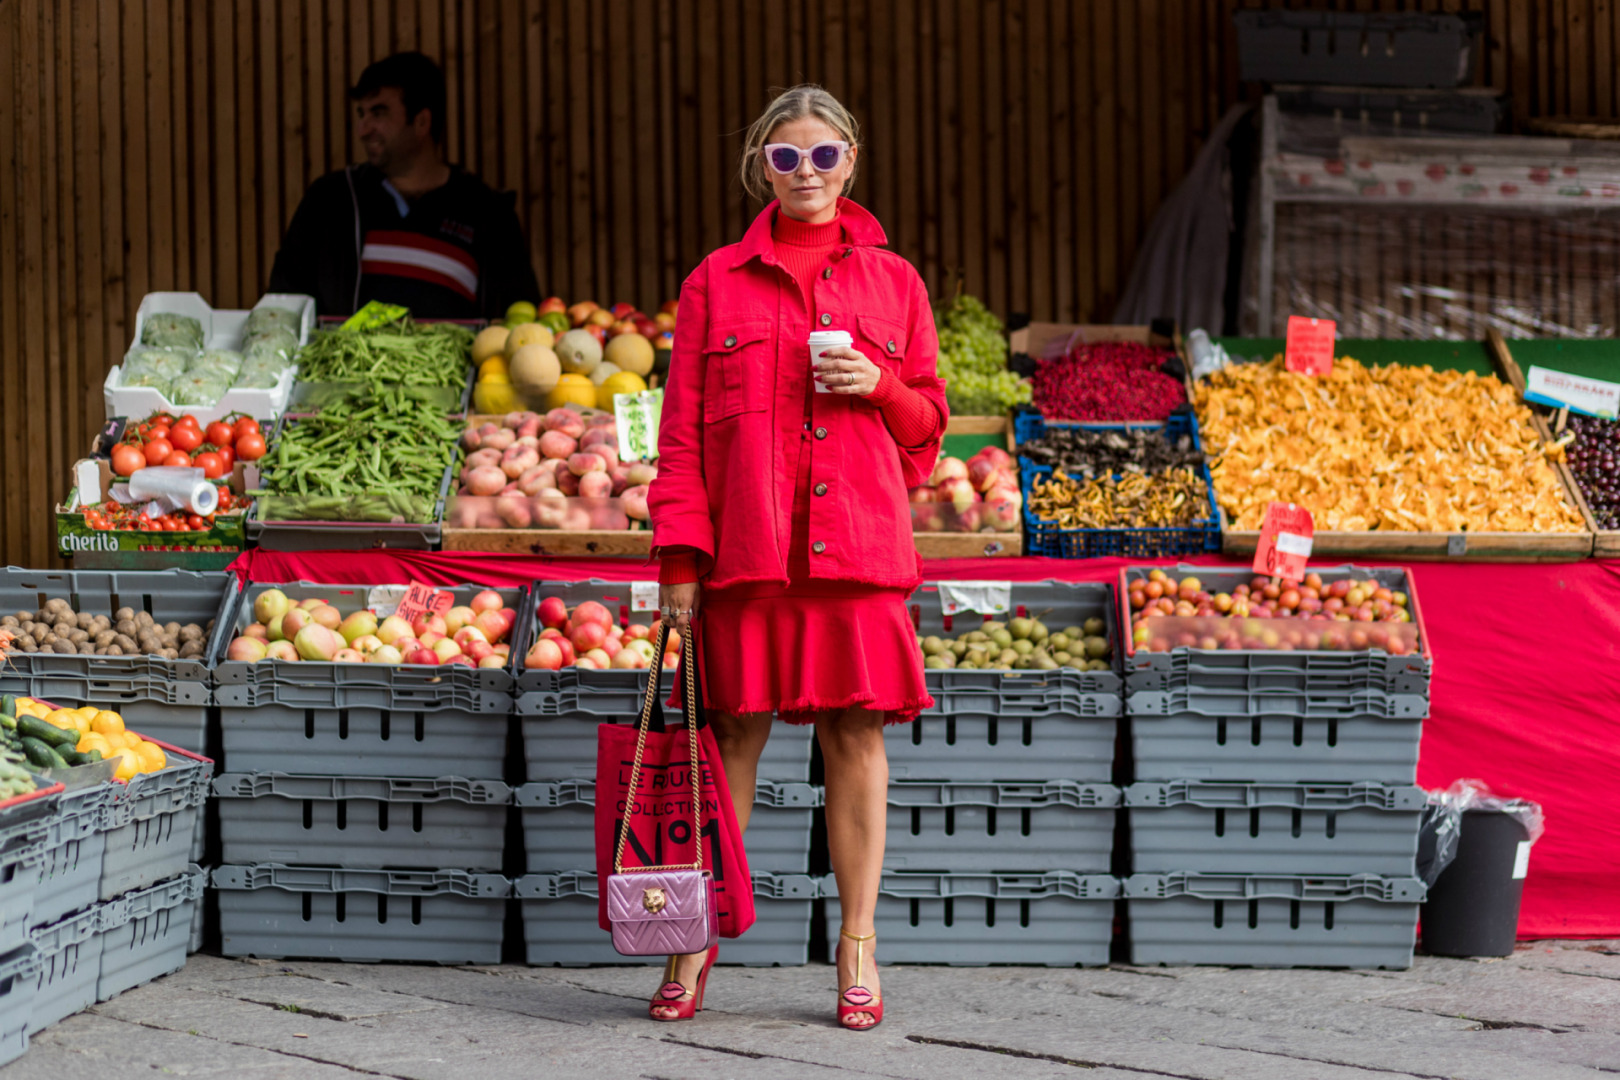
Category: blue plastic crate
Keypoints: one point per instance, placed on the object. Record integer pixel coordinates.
(1043, 538)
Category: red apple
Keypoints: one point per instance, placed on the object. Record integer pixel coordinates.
(578, 313)
(488, 600)
(421, 656)
(553, 612)
(544, 654)
(492, 624)
(478, 650)
(429, 621)
(624, 309)
(588, 636)
(611, 645)
(550, 304)
(461, 660)
(638, 631)
(593, 612)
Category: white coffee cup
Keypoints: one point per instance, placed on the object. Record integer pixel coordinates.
(820, 342)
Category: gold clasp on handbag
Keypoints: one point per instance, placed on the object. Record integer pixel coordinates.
(653, 900)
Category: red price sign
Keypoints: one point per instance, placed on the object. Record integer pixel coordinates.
(1285, 542)
(1310, 345)
(423, 599)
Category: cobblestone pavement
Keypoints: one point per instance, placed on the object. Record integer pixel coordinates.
(1549, 1012)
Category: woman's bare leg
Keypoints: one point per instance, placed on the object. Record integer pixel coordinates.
(857, 774)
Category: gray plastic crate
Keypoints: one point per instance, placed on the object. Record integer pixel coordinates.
(1360, 828)
(70, 961)
(1275, 748)
(151, 823)
(1278, 702)
(145, 934)
(182, 726)
(386, 686)
(69, 875)
(1054, 919)
(1035, 825)
(1281, 920)
(361, 822)
(1358, 111)
(1058, 604)
(1358, 49)
(365, 741)
(613, 595)
(1323, 669)
(361, 916)
(25, 829)
(19, 974)
(557, 747)
(182, 596)
(559, 825)
(560, 927)
(981, 747)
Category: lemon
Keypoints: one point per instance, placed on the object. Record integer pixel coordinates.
(128, 765)
(624, 382)
(63, 718)
(152, 757)
(495, 396)
(93, 741)
(106, 722)
(522, 311)
(572, 389)
(88, 712)
(494, 368)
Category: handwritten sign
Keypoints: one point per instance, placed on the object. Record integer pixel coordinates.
(1559, 390)
(422, 600)
(1285, 541)
(637, 416)
(1310, 345)
(375, 313)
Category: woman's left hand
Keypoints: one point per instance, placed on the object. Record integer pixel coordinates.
(845, 371)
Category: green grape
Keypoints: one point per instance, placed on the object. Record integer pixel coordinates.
(973, 360)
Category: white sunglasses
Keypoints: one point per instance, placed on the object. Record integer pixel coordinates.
(824, 156)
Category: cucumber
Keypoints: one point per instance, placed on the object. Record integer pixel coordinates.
(72, 756)
(49, 734)
(8, 705)
(42, 756)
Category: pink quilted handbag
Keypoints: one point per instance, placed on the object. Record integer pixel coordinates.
(663, 910)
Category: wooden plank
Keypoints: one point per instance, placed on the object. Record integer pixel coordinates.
(648, 233)
(672, 267)
(968, 545)
(996, 196)
(950, 92)
(928, 184)
(1103, 235)
(55, 187)
(295, 110)
(550, 542)
(13, 499)
(1520, 61)
(201, 197)
(87, 367)
(1432, 547)
(1020, 179)
(1068, 161)
(1034, 163)
(971, 132)
(1147, 52)
(907, 201)
(32, 469)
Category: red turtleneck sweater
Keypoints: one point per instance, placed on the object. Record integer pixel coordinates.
(804, 249)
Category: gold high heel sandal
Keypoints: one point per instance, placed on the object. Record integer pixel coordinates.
(858, 999)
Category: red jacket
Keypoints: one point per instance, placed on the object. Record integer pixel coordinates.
(733, 417)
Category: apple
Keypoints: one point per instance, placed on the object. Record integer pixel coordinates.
(270, 604)
(569, 654)
(599, 658)
(550, 304)
(431, 639)
(488, 600)
(366, 644)
(585, 663)
(637, 632)
(348, 656)
(543, 654)
(611, 645)
(478, 650)
(444, 649)
(312, 603)
(290, 623)
(492, 661)
(317, 642)
(553, 632)
(671, 661)
(422, 656)
(247, 650)
(592, 612)
(643, 648)
(670, 307)
(407, 645)
(491, 624)
(429, 621)
(468, 634)
(461, 660)
(385, 654)
(553, 612)
(629, 660)
(392, 629)
(503, 649)
(588, 636)
(257, 631)
(281, 650)
(360, 624)
(578, 313)
(457, 617)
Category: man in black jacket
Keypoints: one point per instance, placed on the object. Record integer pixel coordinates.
(405, 227)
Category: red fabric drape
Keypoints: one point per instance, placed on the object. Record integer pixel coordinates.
(1526, 692)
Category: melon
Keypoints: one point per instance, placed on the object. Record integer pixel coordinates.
(579, 352)
(631, 352)
(491, 341)
(625, 382)
(572, 389)
(601, 371)
(528, 334)
(533, 371)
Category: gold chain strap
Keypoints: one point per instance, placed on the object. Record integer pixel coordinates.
(689, 714)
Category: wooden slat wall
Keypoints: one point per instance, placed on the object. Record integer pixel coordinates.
(1019, 145)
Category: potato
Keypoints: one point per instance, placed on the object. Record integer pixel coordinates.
(171, 629)
(126, 627)
(86, 649)
(9, 620)
(124, 613)
(101, 622)
(170, 654)
(27, 645)
(191, 633)
(113, 650)
(191, 649)
(65, 648)
(84, 619)
(104, 638)
(123, 643)
(78, 637)
(143, 618)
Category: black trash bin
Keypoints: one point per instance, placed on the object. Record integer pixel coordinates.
(1473, 909)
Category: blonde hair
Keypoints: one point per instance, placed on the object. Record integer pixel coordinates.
(796, 103)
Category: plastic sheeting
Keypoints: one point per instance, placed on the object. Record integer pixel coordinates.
(1525, 693)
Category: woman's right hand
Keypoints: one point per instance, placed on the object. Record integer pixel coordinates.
(683, 600)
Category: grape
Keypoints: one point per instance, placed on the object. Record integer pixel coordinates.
(973, 361)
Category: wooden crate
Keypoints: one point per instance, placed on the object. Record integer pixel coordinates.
(1458, 547)
(982, 431)
(1038, 338)
(630, 542)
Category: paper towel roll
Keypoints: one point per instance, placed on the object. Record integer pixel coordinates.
(175, 487)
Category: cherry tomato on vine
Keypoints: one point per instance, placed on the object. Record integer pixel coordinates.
(196, 524)
(185, 437)
(188, 421)
(212, 465)
(219, 433)
(157, 450)
(246, 425)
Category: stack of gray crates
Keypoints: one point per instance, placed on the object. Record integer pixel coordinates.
(559, 712)
(1273, 817)
(362, 807)
(25, 832)
(1001, 806)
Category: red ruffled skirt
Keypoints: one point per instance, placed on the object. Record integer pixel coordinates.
(810, 647)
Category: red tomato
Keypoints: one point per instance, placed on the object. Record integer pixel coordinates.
(157, 450)
(250, 447)
(186, 437)
(196, 524)
(219, 433)
(157, 431)
(127, 459)
(227, 455)
(212, 465)
(246, 425)
(179, 458)
(188, 421)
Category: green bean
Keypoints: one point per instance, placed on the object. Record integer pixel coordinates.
(400, 354)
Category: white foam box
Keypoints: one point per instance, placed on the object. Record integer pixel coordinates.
(222, 329)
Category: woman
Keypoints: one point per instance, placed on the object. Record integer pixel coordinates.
(780, 509)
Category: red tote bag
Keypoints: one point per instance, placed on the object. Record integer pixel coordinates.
(661, 820)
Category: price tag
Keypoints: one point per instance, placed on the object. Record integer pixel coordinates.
(1310, 345)
(422, 600)
(637, 416)
(1555, 389)
(375, 313)
(985, 597)
(644, 596)
(1285, 541)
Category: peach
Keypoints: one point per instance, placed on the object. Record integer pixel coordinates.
(567, 421)
(580, 464)
(949, 468)
(499, 439)
(536, 480)
(557, 444)
(596, 485)
(479, 458)
(518, 460)
(485, 480)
